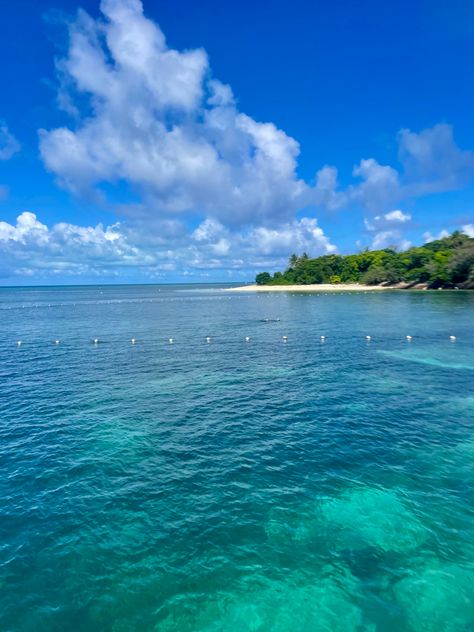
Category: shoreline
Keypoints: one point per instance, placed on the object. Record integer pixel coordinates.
(341, 287)
(320, 287)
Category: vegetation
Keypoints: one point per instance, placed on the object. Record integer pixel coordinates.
(444, 263)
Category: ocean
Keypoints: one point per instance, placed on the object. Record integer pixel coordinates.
(233, 479)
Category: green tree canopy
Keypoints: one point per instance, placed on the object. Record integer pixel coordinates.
(447, 262)
(263, 278)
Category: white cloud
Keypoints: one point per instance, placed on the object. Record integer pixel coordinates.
(159, 124)
(8, 143)
(433, 162)
(213, 235)
(30, 247)
(207, 231)
(277, 242)
(27, 228)
(468, 229)
(397, 216)
(388, 239)
(327, 192)
(380, 186)
(428, 236)
(298, 236)
(379, 189)
(387, 220)
(387, 230)
(65, 248)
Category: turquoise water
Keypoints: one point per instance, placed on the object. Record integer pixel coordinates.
(237, 485)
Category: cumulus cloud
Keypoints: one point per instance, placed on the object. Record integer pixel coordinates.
(26, 226)
(388, 229)
(430, 162)
(390, 239)
(156, 121)
(8, 143)
(155, 118)
(380, 186)
(30, 247)
(299, 236)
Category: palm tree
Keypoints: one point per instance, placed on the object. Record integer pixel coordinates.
(293, 261)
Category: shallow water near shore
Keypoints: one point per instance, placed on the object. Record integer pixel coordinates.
(245, 485)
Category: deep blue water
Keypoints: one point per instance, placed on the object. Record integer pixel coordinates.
(236, 485)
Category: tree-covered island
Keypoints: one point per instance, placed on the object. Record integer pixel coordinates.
(443, 263)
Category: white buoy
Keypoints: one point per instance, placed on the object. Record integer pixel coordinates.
(247, 338)
(171, 340)
(452, 338)
(408, 337)
(18, 343)
(208, 339)
(323, 337)
(56, 342)
(368, 337)
(133, 341)
(96, 341)
(285, 338)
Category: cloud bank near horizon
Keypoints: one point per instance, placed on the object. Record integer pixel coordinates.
(30, 249)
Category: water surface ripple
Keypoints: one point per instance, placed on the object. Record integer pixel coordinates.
(233, 484)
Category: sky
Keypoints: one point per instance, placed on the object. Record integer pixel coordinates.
(184, 141)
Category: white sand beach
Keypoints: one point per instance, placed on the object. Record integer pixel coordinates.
(321, 287)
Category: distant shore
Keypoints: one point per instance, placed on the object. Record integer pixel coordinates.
(339, 287)
(319, 287)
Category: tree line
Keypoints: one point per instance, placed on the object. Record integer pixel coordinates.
(443, 263)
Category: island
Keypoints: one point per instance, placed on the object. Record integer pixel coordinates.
(446, 263)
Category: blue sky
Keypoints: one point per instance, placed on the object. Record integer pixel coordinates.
(184, 141)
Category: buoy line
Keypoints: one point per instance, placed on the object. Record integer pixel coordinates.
(208, 339)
